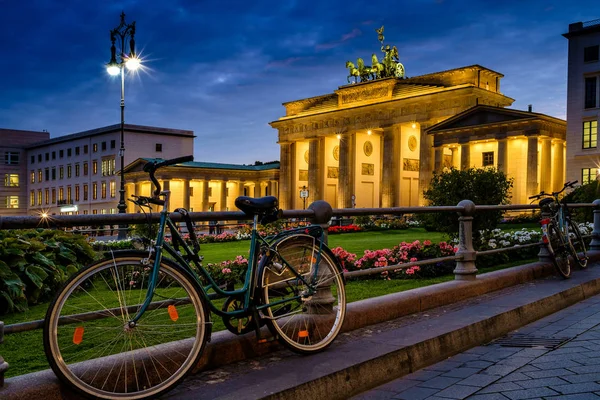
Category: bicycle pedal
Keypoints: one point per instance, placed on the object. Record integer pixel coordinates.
(266, 340)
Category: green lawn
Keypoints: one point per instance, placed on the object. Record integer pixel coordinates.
(24, 351)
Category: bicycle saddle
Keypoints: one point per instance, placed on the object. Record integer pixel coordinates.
(260, 205)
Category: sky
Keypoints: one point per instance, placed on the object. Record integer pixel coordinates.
(223, 68)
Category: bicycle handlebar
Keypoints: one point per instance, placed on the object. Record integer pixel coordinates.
(569, 184)
(152, 166)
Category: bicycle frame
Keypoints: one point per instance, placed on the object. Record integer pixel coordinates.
(256, 261)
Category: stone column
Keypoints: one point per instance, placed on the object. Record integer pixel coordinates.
(558, 166)
(389, 170)
(345, 178)
(240, 188)
(546, 166)
(166, 184)
(315, 174)
(532, 166)
(425, 160)
(186, 194)
(465, 156)
(223, 197)
(455, 162)
(273, 188)
(438, 159)
(502, 156)
(285, 170)
(205, 197)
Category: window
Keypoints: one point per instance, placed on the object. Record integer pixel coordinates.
(11, 180)
(488, 158)
(86, 212)
(588, 175)
(76, 169)
(47, 156)
(69, 152)
(54, 155)
(61, 172)
(590, 134)
(39, 158)
(113, 189)
(94, 212)
(69, 198)
(12, 201)
(32, 198)
(47, 171)
(590, 53)
(53, 195)
(95, 147)
(94, 167)
(68, 171)
(39, 175)
(590, 92)
(53, 173)
(85, 169)
(61, 153)
(85, 192)
(11, 158)
(103, 146)
(47, 196)
(94, 191)
(85, 149)
(33, 159)
(77, 193)
(77, 150)
(32, 177)
(108, 167)
(113, 144)
(39, 197)
(103, 188)
(158, 147)
(61, 193)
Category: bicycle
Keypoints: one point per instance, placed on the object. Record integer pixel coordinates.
(560, 234)
(132, 325)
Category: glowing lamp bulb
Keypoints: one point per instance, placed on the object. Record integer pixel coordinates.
(414, 125)
(44, 215)
(338, 136)
(113, 70)
(132, 63)
(369, 132)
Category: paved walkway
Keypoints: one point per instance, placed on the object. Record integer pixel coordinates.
(494, 372)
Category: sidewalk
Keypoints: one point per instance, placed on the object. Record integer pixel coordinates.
(370, 357)
(523, 365)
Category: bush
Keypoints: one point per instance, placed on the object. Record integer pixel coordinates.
(482, 186)
(583, 194)
(35, 263)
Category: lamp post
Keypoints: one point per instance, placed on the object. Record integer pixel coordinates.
(114, 68)
(303, 196)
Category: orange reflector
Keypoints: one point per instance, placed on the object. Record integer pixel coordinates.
(303, 334)
(262, 341)
(78, 335)
(173, 313)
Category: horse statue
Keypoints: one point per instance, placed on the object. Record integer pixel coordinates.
(365, 71)
(353, 71)
(377, 68)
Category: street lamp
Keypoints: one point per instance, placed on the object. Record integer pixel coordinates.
(303, 196)
(114, 68)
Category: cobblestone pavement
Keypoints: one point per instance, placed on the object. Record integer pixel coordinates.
(499, 371)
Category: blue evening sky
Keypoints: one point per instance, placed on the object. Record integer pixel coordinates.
(223, 68)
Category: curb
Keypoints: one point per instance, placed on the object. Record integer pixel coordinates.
(226, 348)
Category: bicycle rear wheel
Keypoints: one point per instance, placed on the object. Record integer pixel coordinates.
(559, 250)
(305, 319)
(577, 245)
(92, 346)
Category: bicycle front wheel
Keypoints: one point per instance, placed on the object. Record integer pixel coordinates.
(559, 251)
(577, 245)
(305, 318)
(92, 345)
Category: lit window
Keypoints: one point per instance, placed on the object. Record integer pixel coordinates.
(103, 187)
(61, 172)
(39, 197)
(53, 195)
(12, 201)
(32, 198)
(68, 171)
(39, 175)
(85, 169)
(11, 180)
(85, 192)
(95, 147)
(69, 198)
(590, 134)
(32, 176)
(113, 189)
(11, 158)
(76, 169)
(47, 196)
(61, 194)
(94, 167)
(94, 191)
(588, 175)
(108, 167)
(77, 193)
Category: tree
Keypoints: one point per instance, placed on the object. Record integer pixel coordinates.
(583, 194)
(483, 186)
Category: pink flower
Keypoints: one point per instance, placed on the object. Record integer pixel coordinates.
(413, 259)
(426, 242)
(225, 271)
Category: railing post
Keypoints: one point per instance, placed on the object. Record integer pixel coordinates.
(465, 266)
(544, 255)
(323, 213)
(595, 244)
(3, 364)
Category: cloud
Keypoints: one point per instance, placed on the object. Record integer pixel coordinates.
(345, 37)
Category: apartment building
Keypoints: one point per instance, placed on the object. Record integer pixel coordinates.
(583, 85)
(79, 173)
(13, 168)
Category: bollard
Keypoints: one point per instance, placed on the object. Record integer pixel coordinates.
(3, 364)
(544, 255)
(465, 266)
(323, 213)
(595, 243)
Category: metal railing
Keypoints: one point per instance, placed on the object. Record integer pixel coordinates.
(319, 212)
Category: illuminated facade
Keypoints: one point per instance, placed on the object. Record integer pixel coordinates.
(583, 85)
